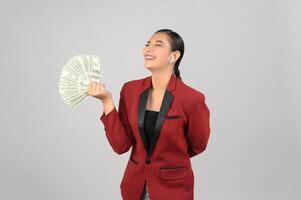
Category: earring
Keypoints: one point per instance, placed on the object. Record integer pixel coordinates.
(171, 59)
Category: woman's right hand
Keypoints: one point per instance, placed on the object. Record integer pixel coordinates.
(98, 91)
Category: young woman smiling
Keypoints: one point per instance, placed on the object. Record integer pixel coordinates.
(164, 121)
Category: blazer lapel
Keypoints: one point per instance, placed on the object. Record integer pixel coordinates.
(165, 106)
(141, 114)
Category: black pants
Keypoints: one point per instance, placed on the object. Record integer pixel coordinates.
(145, 195)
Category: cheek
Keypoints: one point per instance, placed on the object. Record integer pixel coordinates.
(162, 54)
(162, 59)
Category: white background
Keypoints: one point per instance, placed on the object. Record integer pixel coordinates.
(244, 55)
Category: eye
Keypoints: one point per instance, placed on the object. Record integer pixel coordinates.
(146, 45)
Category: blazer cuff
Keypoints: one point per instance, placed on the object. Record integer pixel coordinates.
(108, 119)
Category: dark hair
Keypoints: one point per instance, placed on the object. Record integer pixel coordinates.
(177, 44)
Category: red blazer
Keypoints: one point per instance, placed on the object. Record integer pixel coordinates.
(181, 132)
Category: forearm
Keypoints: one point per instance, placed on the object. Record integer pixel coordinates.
(108, 105)
(117, 128)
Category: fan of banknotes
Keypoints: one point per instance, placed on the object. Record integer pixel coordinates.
(75, 77)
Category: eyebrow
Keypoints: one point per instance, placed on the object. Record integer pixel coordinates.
(156, 41)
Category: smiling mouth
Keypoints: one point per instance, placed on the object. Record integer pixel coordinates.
(149, 58)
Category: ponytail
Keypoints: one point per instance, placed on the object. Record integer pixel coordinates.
(177, 72)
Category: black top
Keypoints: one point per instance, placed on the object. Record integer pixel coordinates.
(149, 125)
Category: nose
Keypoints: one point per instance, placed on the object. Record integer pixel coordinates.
(147, 49)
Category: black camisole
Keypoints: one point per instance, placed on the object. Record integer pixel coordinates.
(149, 125)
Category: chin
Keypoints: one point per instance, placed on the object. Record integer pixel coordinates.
(148, 66)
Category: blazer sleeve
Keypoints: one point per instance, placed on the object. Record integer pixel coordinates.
(198, 127)
(117, 127)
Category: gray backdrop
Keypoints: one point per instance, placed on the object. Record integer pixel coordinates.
(244, 55)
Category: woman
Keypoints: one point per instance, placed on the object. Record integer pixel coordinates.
(165, 121)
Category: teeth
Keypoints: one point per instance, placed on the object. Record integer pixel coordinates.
(149, 57)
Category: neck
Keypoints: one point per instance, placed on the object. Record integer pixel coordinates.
(160, 80)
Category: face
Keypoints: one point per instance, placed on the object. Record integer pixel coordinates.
(157, 53)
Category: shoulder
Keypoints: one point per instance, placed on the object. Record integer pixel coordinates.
(192, 99)
(132, 84)
(194, 94)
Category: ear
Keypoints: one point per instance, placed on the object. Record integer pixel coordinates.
(176, 55)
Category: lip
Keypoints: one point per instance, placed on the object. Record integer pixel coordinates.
(148, 55)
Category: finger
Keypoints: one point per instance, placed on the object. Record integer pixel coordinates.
(102, 87)
(89, 86)
(97, 87)
(93, 87)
